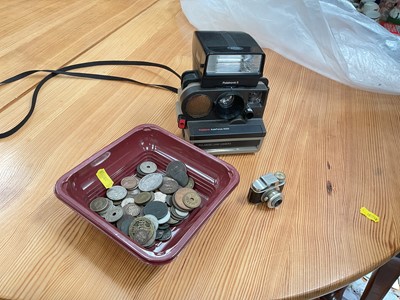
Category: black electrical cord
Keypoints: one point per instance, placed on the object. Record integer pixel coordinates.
(65, 71)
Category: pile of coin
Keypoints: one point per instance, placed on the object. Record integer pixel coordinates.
(146, 205)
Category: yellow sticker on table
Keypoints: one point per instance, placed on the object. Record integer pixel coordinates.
(104, 178)
(370, 215)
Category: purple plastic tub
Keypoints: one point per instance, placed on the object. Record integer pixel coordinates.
(214, 178)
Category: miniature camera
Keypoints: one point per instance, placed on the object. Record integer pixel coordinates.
(268, 189)
(222, 100)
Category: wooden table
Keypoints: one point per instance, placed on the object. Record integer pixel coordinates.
(338, 146)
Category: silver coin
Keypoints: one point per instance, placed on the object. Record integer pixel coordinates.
(173, 221)
(132, 209)
(165, 219)
(127, 201)
(181, 214)
(114, 214)
(150, 182)
(147, 167)
(130, 194)
(161, 197)
(116, 193)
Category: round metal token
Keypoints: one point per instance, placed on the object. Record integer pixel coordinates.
(153, 219)
(177, 199)
(116, 193)
(192, 199)
(132, 209)
(163, 226)
(166, 235)
(124, 222)
(142, 230)
(165, 219)
(114, 214)
(132, 193)
(178, 214)
(150, 182)
(168, 200)
(104, 211)
(99, 204)
(130, 182)
(173, 222)
(156, 208)
(161, 197)
(142, 198)
(147, 167)
(190, 183)
(169, 185)
(127, 201)
(177, 170)
(159, 234)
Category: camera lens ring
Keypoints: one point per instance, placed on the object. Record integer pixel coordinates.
(229, 105)
(273, 198)
(197, 106)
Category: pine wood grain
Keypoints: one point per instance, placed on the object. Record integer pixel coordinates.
(338, 146)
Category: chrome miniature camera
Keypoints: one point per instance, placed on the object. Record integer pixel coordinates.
(222, 100)
(268, 189)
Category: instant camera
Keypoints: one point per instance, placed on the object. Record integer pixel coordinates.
(222, 100)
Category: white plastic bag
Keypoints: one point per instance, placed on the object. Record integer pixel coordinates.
(327, 36)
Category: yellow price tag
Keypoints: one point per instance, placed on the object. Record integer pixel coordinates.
(104, 178)
(370, 215)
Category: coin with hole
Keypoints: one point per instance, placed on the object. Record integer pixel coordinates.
(114, 214)
(147, 167)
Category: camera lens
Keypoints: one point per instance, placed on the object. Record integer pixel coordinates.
(229, 106)
(226, 102)
(273, 198)
(198, 106)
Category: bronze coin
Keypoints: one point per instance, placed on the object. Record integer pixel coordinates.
(178, 198)
(130, 182)
(142, 198)
(142, 230)
(190, 183)
(192, 199)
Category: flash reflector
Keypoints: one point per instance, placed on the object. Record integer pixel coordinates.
(227, 59)
(233, 64)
